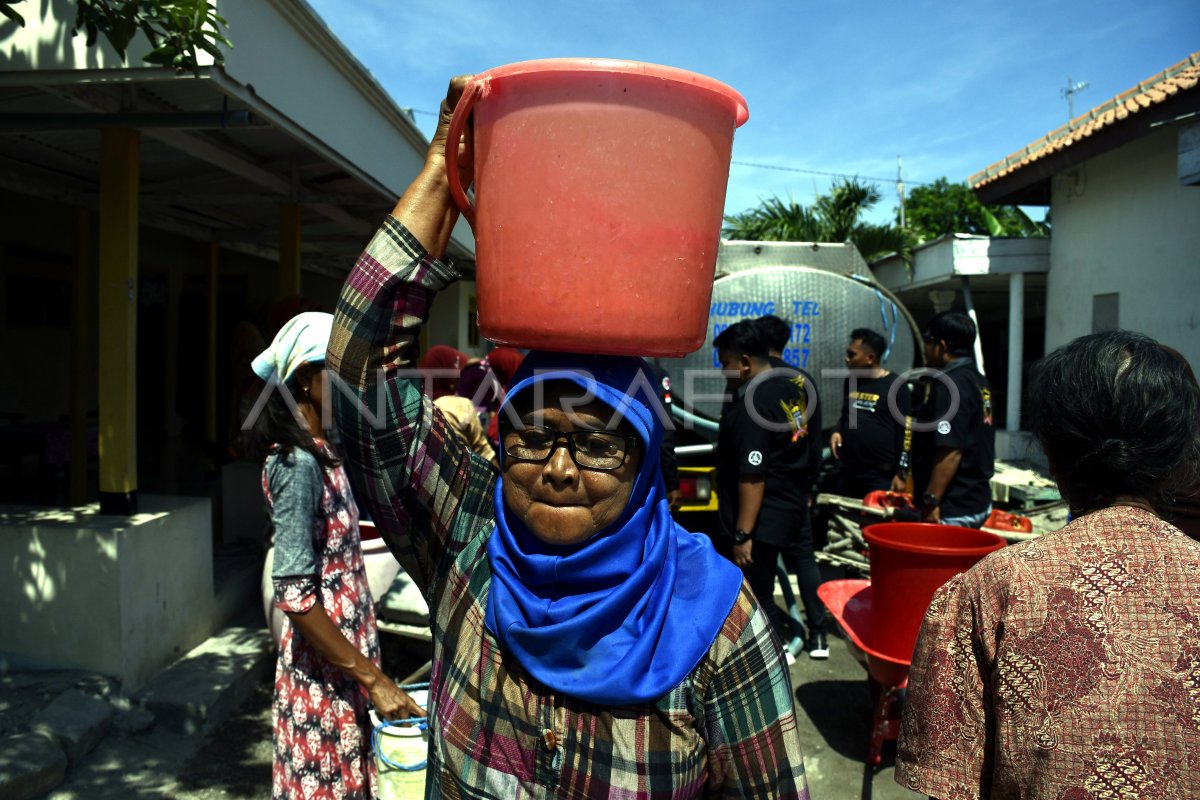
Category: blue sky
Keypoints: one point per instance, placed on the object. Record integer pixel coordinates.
(832, 87)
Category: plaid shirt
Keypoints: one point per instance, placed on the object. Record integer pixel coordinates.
(728, 730)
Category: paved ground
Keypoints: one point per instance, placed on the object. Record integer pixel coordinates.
(834, 707)
(235, 760)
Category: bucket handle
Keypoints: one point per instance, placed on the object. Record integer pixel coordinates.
(457, 122)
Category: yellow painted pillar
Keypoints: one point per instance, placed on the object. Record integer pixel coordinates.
(81, 356)
(117, 303)
(289, 249)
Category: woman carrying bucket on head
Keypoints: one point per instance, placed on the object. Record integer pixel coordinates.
(584, 644)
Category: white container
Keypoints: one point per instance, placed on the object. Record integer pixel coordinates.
(406, 746)
(382, 567)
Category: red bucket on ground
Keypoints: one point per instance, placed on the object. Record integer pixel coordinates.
(909, 562)
(599, 194)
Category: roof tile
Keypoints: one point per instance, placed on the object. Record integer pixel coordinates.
(1184, 76)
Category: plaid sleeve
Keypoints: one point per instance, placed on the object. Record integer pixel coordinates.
(750, 720)
(425, 489)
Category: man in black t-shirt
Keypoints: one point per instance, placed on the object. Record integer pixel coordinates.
(873, 440)
(768, 455)
(955, 458)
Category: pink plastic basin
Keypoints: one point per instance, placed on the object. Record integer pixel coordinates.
(909, 562)
(850, 603)
(599, 193)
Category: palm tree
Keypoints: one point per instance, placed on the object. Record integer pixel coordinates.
(834, 217)
(775, 220)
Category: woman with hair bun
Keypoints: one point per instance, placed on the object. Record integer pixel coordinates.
(1069, 666)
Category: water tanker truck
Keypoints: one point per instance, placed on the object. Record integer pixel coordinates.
(823, 291)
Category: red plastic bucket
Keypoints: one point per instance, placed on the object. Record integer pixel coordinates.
(909, 561)
(599, 194)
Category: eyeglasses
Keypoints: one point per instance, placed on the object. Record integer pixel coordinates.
(600, 450)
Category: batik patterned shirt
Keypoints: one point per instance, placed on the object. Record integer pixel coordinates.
(727, 730)
(1066, 667)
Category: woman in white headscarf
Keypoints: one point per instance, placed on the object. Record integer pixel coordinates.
(328, 673)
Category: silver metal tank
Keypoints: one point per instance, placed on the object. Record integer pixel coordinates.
(822, 303)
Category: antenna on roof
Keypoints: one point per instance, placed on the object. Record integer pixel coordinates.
(900, 187)
(1069, 93)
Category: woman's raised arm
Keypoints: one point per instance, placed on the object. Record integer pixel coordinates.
(419, 480)
(426, 208)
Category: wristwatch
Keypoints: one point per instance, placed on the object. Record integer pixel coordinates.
(930, 500)
(741, 537)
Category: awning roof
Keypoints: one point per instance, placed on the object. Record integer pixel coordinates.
(204, 173)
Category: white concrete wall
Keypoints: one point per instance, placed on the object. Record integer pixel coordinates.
(124, 596)
(1123, 224)
(294, 69)
(299, 67)
(449, 318)
(46, 42)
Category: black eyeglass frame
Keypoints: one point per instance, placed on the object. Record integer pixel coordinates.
(569, 436)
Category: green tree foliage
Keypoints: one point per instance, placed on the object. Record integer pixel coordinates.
(833, 217)
(943, 207)
(176, 29)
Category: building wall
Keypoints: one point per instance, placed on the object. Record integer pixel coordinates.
(46, 42)
(452, 319)
(298, 64)
(1124, 225)
(124, 596)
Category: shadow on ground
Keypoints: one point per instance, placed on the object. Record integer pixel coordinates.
(237, 756)
(841, 711)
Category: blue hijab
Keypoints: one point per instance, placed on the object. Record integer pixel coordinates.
(624, 617)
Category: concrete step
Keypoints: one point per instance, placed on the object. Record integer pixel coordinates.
(200, 690)
(75, 721)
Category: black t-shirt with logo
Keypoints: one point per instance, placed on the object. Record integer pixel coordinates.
(872, 448)
(970, 430)
(771, 428)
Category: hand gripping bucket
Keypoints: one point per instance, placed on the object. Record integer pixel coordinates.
(599, 195)
(909, 562)
(401, 749)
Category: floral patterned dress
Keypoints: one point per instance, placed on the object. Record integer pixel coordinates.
(321, 723)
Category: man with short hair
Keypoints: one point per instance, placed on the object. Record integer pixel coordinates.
(768, 455)
(776, 332)
(955, 458)
(873, 440)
